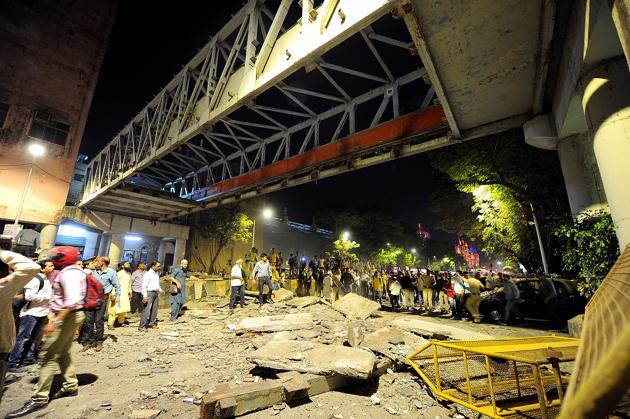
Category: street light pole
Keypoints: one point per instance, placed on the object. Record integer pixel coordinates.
(35, 150)
(28, 180)
(540, 243)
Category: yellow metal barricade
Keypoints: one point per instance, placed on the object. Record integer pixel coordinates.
(498, 377)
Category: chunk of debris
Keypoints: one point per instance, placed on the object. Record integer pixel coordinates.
(393, 343)
(267, 337)
(144, 414)
(280, 295)
(301, 302)
(228, 401)
(316, 358)
(355, 307)
(308, 333)
(275, 323)
(428, 328)
(355, 334)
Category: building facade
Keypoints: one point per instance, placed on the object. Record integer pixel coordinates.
(51, 53)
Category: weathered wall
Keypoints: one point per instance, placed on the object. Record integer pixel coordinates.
(51, 53)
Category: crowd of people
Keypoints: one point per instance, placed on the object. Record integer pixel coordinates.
(449, 294)
(66, 299)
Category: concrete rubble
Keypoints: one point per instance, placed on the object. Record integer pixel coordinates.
(316, 358)
(430, 329)
(285, 360)
(301, 302)
(355, 307)
(279, 323)
(392, 343)
(281, 295)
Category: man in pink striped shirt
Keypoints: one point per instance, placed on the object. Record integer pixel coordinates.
(66, 304)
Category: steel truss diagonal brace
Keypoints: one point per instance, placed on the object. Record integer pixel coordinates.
(208, 88)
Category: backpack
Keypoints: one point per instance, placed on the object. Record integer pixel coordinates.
(94, 294)
(18, 305)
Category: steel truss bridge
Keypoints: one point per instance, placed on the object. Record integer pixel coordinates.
(276, 98)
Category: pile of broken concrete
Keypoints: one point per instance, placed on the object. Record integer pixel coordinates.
(319, 348)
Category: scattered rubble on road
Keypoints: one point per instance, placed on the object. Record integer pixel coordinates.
(293, 359)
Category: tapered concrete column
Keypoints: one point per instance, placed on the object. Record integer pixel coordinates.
(180, 251)
(103, 247)
(577, 159)
(606, 104)
(47, 236)
(162, 251)
(581, 174)
(115, 249)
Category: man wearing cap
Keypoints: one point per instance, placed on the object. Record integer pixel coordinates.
(262, 271)
(179, 274)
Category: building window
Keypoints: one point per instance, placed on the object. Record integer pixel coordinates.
(4, 110)
(78, 177)
(46, 127)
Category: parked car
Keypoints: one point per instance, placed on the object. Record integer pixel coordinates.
(570, 302)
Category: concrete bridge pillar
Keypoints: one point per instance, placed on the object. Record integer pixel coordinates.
(180, 251)
(606, 103)
(581, 174)
(115, 249)
(577, 160)
(103, 246)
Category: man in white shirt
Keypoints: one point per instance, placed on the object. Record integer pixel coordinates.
(37, 293)
(150, 290)
(262, 271)
(15, 272)
(236, 282)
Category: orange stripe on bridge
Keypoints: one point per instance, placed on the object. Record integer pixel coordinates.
(400, 128)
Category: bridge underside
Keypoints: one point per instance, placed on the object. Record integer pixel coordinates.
(266, 105)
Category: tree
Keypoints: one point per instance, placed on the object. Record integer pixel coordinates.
(591, 248)
(502, 176)
(410, 260)
(343, 247)
(223, 225)
(373, 227)
(444, 264)
(389, 255)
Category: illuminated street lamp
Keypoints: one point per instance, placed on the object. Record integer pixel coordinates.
(413, 250)
(35, 150)
(389, 244)
(345, 236)
(267, 214)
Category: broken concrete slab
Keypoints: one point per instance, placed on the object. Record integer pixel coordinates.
(301, 302)
(280, 295)
(228, 401)
(144, 414)
(316, 358)
(393, 343)
(355, 307)
(308, 333)
(427, 328)
(278, 323)
(267, 337)
(355, 334)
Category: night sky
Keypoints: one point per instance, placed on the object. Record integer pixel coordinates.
(151, 41)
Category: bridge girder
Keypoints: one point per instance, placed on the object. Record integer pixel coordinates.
(221, 117)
